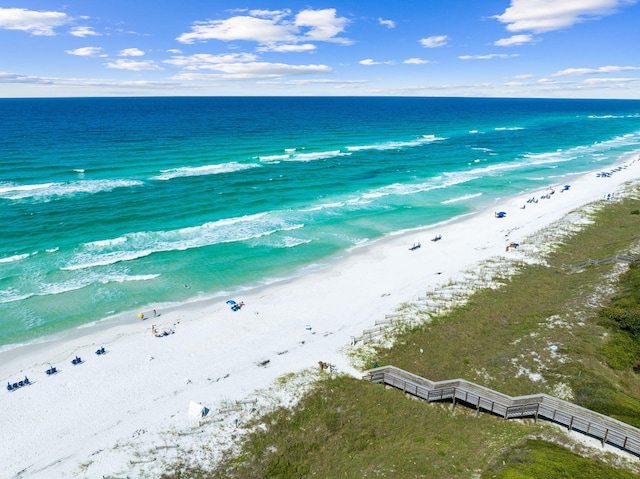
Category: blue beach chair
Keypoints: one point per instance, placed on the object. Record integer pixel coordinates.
(76, 361)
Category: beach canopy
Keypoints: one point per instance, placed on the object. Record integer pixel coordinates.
(197, 410)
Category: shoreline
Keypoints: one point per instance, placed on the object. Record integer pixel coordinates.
(91, 418)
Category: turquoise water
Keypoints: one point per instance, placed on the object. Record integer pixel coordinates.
(109, 205)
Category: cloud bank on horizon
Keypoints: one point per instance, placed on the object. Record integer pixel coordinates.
(509, 48)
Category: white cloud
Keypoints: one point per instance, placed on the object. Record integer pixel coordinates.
(434, 41)
(81, 82)
(237, 66)
(547, 15)
(239, 28)
(592, 71)
(131, 52)
(387, 23)
(35, 23)
(134, 65)
(85, 52)
(370, 62)
(287, 47)
(268, 28)
(524, 76)
(487, 57)
(323, 25)
(515, 40)
(315, 81)
(276, 15)
(253, 70)
(205, 61)
(415, 61)
(604, 81)
(83, 32)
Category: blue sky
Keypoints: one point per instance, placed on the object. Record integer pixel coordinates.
(496, 48)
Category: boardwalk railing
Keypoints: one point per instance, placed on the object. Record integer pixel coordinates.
(619, 258)
(539, 406)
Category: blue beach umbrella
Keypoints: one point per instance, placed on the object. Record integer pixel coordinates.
(231, 301)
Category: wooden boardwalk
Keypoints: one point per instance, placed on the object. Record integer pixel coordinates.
(539, 406)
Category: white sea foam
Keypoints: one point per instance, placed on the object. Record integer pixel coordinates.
(50, 191)
(433, 184)
(320, 155)
(124, 278)
(15, 189)
(11, 259)
(397, 145)
(509, 128)
(88, 260)
(272, 158)
(141, 244)
(108, 242)
(215, 169)
(52, 289)
(10, 295)
(461, 198)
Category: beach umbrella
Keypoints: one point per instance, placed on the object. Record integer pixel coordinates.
(231, 301)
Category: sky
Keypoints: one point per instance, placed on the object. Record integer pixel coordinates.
(475, 48)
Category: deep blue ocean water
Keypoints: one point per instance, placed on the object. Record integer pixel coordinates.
(110, 205)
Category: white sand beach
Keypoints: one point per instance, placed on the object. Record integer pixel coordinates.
(125, 413)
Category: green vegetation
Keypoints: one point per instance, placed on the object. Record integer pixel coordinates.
(501, 338)
(537, 458)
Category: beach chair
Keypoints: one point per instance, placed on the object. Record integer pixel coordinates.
(100, 351)
(15, 385)
(76, 360)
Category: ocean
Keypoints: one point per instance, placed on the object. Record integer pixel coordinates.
(118, 205)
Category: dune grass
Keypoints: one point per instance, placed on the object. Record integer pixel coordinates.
(501, 338)
(538, 459)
